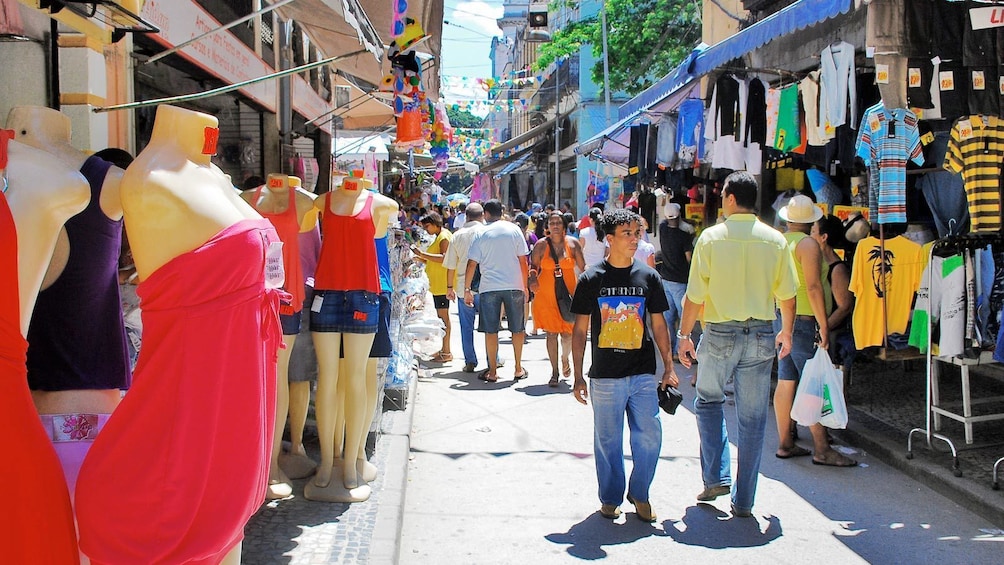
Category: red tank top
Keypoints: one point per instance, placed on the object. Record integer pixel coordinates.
(37, 522)
(288, 227)
(348, 252)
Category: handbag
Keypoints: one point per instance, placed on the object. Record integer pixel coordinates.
(669, 399)
(561, 293)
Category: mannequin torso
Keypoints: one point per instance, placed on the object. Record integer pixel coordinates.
(174, 199)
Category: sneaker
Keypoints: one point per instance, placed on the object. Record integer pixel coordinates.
(712, 493)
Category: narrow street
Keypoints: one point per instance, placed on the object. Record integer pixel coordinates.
(503, 473)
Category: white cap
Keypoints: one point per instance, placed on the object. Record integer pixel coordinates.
(672, 211)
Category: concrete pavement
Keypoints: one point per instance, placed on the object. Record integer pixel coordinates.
(474, 472)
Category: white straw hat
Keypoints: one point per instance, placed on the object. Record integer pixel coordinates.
(800, 210)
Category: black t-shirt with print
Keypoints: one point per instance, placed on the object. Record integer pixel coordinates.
(617, 300)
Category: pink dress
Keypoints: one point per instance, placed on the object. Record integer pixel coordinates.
(183, 462)
(36, 524)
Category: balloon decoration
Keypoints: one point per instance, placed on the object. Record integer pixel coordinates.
(440, 140)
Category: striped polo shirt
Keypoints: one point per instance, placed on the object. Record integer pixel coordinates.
(976, 150)
(887, 139)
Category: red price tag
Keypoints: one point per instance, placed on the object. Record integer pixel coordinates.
(210, 138)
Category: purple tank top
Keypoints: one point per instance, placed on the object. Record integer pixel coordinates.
(76, 339)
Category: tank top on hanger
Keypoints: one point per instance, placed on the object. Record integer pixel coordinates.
(348, 251)
(287, 225)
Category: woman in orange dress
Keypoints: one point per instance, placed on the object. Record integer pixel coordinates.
(546, 315)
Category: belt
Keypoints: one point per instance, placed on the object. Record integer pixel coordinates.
(805, 317)
(73, 427)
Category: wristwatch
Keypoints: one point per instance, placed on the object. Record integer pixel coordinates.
(467, 290)
(682, 336)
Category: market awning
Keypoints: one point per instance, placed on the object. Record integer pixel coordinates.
(516, 166)
(703, 60)
(355, 148)
(612, 144)
(364, 110)
(530, 134)
(341, 26)
(505, 161)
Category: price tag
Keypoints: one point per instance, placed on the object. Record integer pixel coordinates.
(315, 306)
(1000, 85)
(946, 80)
(873, 123)
(881, 73)
(913, 78)
(927, 138)
(979, 81)
(275, 182)
(965, 129)
(275, 275)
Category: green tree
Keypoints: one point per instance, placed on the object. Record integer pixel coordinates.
(464, 119)
(646, 39)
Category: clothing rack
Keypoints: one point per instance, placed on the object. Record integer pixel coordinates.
(934, 408)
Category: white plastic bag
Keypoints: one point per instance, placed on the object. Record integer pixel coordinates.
(820, 394)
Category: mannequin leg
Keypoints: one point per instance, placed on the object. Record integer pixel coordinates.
(278, 483)
(356, 415)
(299, 401)
(233, 557)
(327, 345)
(367, 470)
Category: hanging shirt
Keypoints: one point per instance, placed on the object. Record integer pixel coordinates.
(941, 304)
(665, 146)
(886, 141)
(837, 83)
(689, 133)
(809, 89)
(976, 150)
(756, 113)
(894, 275)
(788, 135)
(725, 116)
(773, 105)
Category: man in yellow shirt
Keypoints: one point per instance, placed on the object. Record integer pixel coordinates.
(436, 271)
(740, 267)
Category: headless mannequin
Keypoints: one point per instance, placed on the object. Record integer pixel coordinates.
(43, 193)
(175, 199)
(341, 384)
(49, 130)
(274, 199)
(366, 470)
(296, 464)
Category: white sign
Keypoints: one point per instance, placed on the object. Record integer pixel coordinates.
(226, 56)
(984, 18)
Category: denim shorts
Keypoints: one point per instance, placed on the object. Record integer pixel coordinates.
(490, 310)
(803, 347)
(381, 347)
(345, 311)
(440, 301)
(291, 323)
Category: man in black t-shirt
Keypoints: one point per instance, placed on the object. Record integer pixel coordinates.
(613, 299)
(677, 247)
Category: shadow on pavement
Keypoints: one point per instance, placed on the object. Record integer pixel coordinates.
(587, 539)
(278, 526)
(706, 526)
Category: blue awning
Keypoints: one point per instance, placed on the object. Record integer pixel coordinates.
(702, 60)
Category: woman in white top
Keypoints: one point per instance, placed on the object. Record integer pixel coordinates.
(594, 247)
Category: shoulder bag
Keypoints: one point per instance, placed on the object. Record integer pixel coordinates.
(561, 293)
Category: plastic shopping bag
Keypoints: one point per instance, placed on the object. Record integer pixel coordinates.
(834, 410)
(819, 398)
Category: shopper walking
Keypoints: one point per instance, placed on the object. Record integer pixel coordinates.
(594, 246)
(613, 300)
(456, 266)
(677, 248)
(829, 234)
(438, 282)
(740, 268)
(554, 257)
(500, 251)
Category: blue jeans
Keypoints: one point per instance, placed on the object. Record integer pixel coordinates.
(467, 315)
(675, 291)
(744, 351)
(636, 395)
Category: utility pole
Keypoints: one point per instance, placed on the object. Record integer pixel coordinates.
(557, 135)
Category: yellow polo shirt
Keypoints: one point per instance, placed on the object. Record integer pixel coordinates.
(739, 268)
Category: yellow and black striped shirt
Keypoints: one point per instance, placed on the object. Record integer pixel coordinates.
(976, 150)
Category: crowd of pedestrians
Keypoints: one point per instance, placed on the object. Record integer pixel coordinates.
(733, 301)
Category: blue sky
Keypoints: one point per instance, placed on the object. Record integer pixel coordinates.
(467, 43)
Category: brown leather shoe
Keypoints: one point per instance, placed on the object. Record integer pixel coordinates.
(643, 510)
(610, 511)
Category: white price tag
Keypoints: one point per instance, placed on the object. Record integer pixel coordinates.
(315, 306)
(275, 274)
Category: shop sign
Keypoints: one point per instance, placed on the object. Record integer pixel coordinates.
(225, 56)
(983, 18)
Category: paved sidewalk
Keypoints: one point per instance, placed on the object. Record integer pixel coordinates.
(457, 438)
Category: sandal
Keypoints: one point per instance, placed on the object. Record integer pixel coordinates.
(484, 376)
(521, 377)
(553, 383)
(566, 370)
(441, 357)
